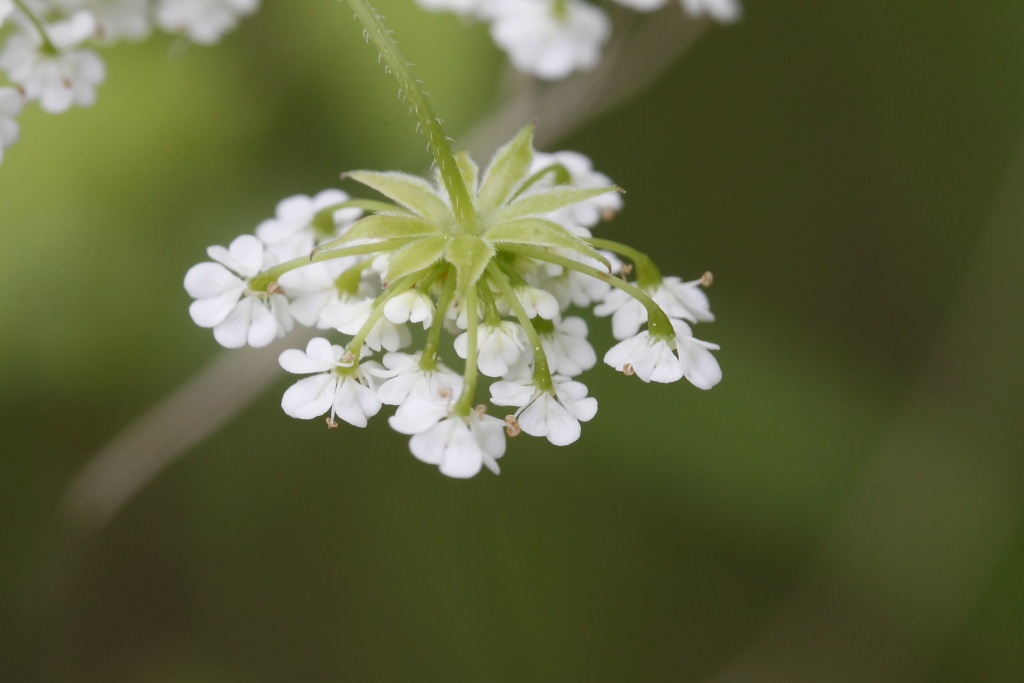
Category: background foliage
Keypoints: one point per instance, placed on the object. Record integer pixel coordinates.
(845, 506)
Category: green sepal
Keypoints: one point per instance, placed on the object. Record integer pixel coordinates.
(412, 192)
(546, 201)
(416, 256)
(506, 170)
(560, 176)
(469, 171)
(383, 226)
(323, 221)
(540, 232)
(470, 256)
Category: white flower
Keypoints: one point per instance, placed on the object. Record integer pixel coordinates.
(224, 302)
(291, 232)
(550, 40)
(6, 7)
(685, 300)
(115, 19)
(642, 5)
(10, 106)
(726, 11)
(471, 8)
(499, 346)
(537, 302)
(404, 379)
(677, 298)
(349, 314)
(566, 347)
(203, 21)
(573, 287)
(700, 367)
(627, 313)
(556, 415)
(589, 212)
(345, 390)
(655, 359)
(461, 445)
(311, 289)
(410, 306)
(61, 80)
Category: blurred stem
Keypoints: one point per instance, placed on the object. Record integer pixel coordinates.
(462, 205)
(48, 47)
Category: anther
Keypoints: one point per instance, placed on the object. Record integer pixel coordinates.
(628, 370)
(706, 279)
(348, 357)
(626, 269)
(512, 425)
(332, 423)
(274, 287)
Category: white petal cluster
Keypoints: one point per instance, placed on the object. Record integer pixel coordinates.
(58, 79)
(409, 281)
(45, 53)
(202, 21)
(550, 40)
(339, 385)
(658, 359)
(553, 39)
(238, 315)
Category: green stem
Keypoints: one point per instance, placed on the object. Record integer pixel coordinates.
(647, 274)
(658, 322)
(465, 403)
(462, 205)
(48, 46)
(428, 360)
(403, 283)
(541, 372)
(260, 282)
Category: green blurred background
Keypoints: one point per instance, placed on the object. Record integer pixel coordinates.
(844, 506)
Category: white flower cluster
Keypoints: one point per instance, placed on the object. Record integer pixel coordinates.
(494, 262)
(551, 39)
(44, 54)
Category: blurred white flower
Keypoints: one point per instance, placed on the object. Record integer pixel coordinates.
(59, 80)
(291, 232)
(202, 21)
(725, 11)
(549, 39)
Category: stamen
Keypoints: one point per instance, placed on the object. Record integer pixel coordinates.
(706, 279)
(274, 288)
(331, 422)
(625, 269)
(512, 428)
(628, 370)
